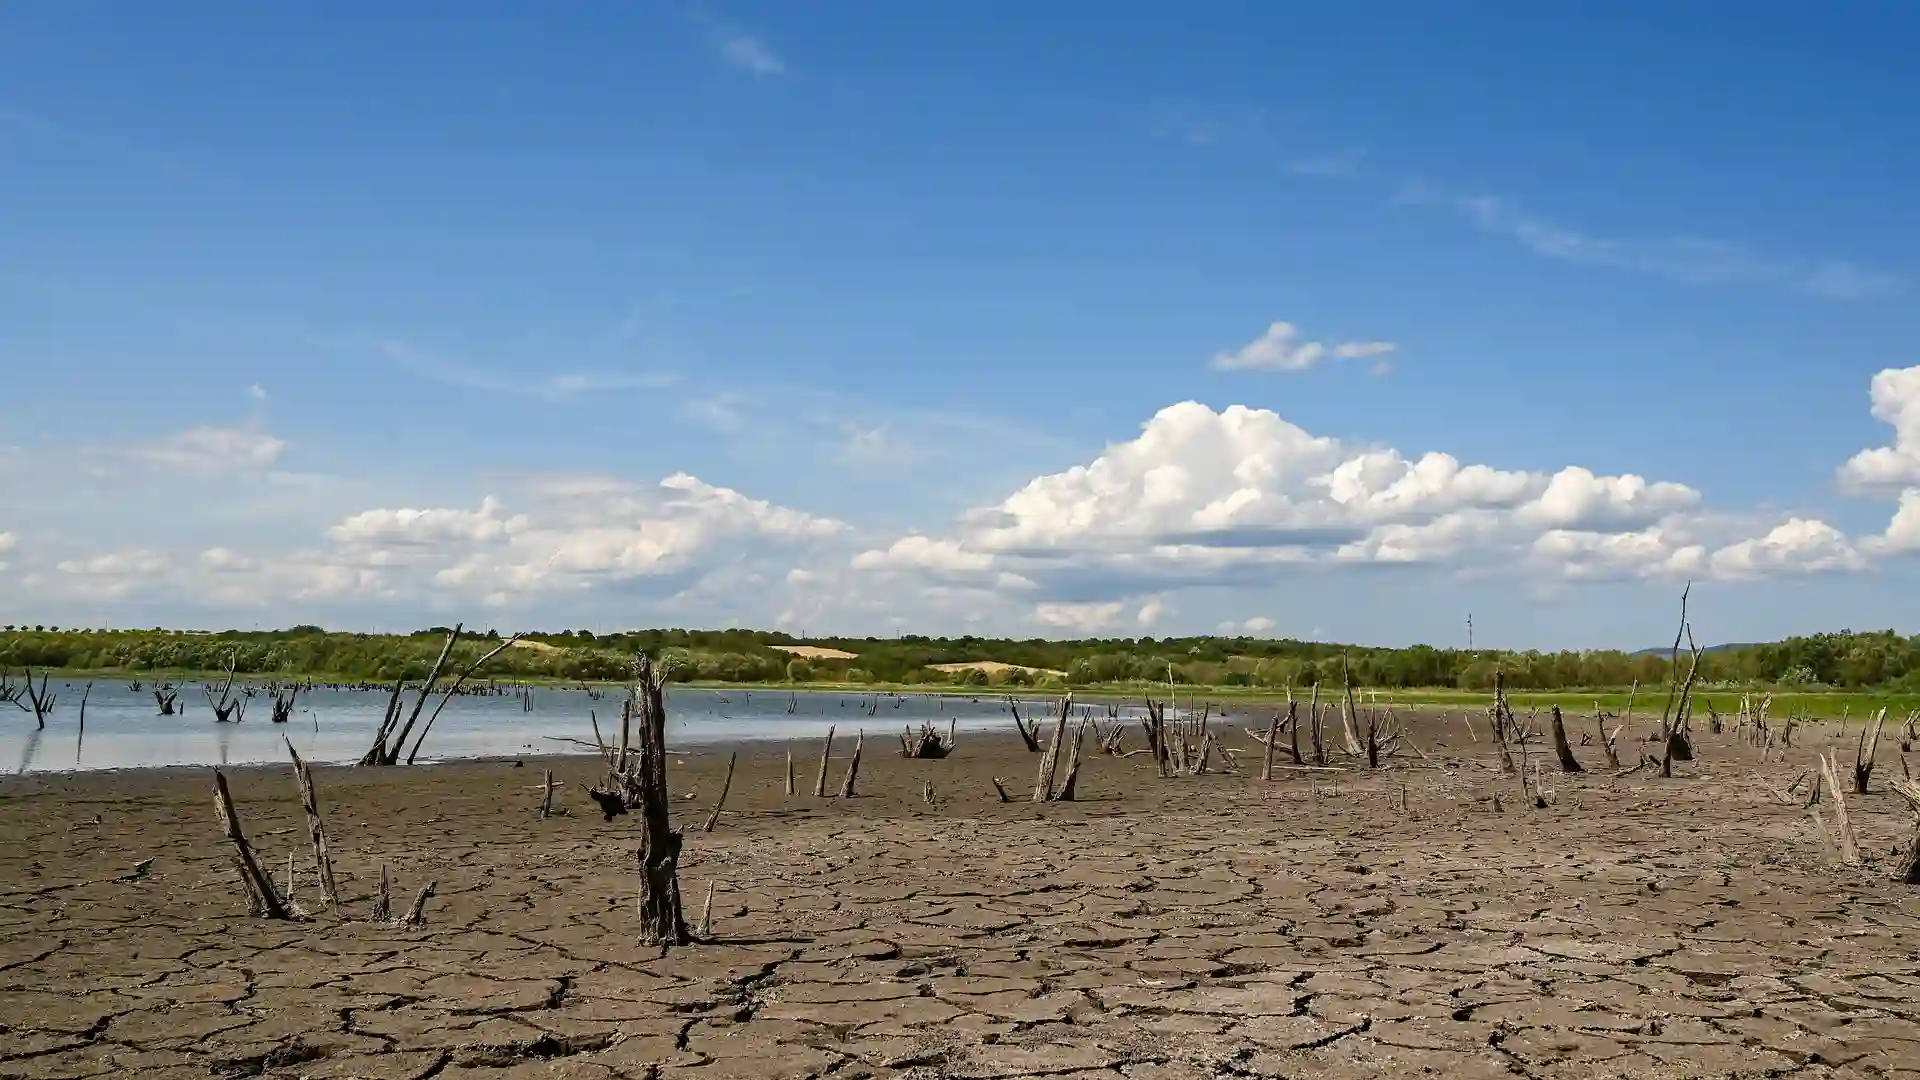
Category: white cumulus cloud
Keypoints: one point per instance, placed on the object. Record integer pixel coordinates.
(1282, 348)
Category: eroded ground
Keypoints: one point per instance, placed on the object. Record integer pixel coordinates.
(1211, 926)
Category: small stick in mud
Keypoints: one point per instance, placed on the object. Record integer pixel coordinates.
(853, 766)
(262, 897)
(714, 817)
(416, 914)
(383, 907)
(1001, 787)
(706, 913)
(1908, 872)
(820, 778)
(546, 796)
(789, 770)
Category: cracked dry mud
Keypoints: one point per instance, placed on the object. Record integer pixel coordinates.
(1210, 926)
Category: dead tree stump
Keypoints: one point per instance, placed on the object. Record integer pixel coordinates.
(662, 921)
(1568, 763)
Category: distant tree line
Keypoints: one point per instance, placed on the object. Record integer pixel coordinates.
(1880, 659)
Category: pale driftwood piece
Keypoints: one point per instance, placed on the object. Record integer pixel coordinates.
(460, 681)
(1561, 750)
(789, 770)
(926, 793)
(1908, 871)
(262, 897)
(1001, 787)
(546, 795)
(1866, 751)
(1069, 785)
(316, 828)
(706, 913)
(853, 766)
(417, 911)
(1050, 761)
(820, 778)
(1849, 843)
(713, 818)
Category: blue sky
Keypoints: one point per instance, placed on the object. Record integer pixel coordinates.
(287, 292)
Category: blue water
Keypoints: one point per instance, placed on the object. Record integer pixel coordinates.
(124, 730)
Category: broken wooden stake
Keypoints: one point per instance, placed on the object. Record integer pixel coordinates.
(316, 829)
(853, 766)
(820, 779)
(714, 817)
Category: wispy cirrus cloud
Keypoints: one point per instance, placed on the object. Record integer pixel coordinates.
(555, 386)
(747, 52)
(1688, 259)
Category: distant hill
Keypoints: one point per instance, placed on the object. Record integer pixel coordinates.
(1663, 650)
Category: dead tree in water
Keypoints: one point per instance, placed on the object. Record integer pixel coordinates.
(386, 748)
(283, 703)
(226, 707)
(165, 696)
(458, 682)
(40, 699)
(1568, 763)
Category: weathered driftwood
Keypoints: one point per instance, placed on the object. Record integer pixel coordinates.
(713, 818)
(789, 770)
(1347, 718)
(262, 897)
(316, 827)
(1000, 786)
(1848, 841)
(820, 778)
(546, 794)
(1049, 762)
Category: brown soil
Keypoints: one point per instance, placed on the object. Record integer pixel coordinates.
(994, 667)
(1200, 927)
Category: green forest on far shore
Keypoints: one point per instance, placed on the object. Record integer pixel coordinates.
(1876, 661)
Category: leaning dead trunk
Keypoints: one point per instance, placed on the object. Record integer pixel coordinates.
(1908, 871)
(1561, 750)
(262, 897)
(316, 829)
(662, 921)
(1864, 754)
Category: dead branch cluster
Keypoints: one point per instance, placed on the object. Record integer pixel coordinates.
(928, 744)
(391, 737)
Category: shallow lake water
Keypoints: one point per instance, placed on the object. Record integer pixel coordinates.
(123, 727)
